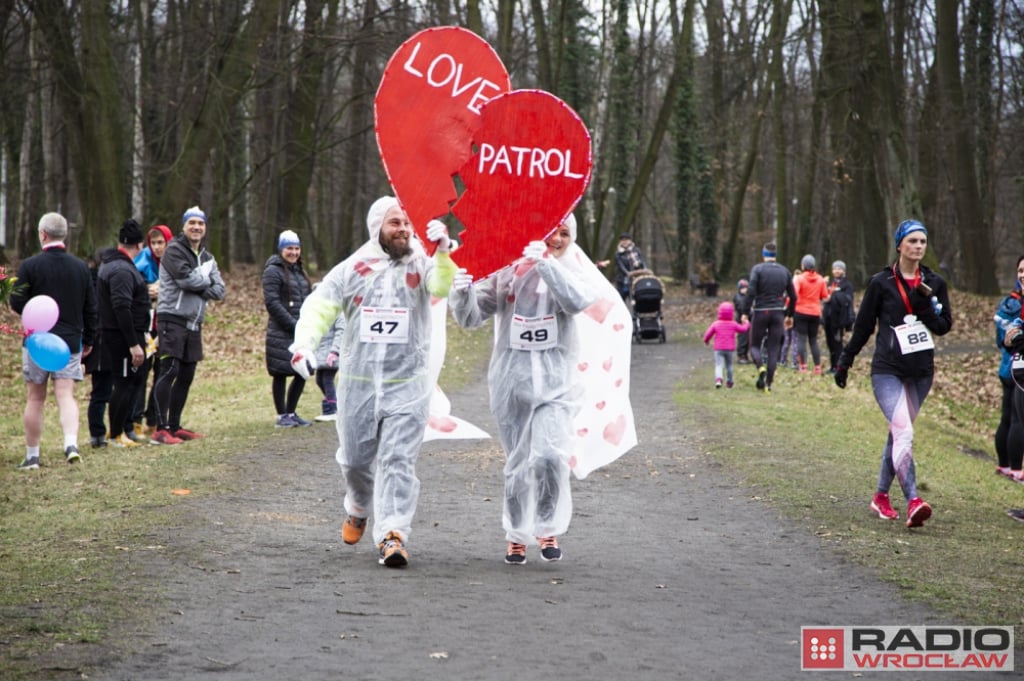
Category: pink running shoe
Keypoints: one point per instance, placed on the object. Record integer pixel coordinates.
(880, 505)
(918, 511)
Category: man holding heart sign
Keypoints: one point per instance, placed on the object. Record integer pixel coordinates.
(384, 290)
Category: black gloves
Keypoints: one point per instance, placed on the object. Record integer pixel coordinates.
(840, 376)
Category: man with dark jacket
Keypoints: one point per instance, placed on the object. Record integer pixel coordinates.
(772, 300)
(189, 278)
(66, 279)
(838, 314)
(123, 302)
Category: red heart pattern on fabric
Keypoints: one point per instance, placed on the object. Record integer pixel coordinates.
(532, 165)
(614, 431)
(426, 111)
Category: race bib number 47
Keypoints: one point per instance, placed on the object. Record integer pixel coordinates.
(914, 337)
(384, 325)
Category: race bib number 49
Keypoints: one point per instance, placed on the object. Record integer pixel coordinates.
(384, 325)
(914, 337)
(534, 333)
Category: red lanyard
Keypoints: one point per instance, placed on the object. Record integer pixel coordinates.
(902, 289)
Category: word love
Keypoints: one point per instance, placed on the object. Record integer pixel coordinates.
(444, 71)
(526, 161)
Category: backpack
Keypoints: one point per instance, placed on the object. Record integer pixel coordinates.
(848, 315)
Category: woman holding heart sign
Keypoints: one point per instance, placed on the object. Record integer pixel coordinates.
(535, 382)
(909, 304)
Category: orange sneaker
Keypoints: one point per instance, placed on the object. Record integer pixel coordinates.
(352, 529)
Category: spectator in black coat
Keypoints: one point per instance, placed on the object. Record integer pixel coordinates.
(285, 286)
(66, 279)
(122, 297)
(742, 309)
(838, 315)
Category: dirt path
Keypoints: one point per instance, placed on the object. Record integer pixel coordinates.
(671, 571)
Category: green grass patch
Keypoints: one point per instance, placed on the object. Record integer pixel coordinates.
(812, 451)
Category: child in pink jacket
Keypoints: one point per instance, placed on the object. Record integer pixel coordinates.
(724, 331)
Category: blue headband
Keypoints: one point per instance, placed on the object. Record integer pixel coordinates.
(905, 228)
(765, 253)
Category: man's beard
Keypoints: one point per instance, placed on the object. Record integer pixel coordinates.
(395, 251)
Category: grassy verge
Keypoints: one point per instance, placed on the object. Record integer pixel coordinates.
(812, 451)
(67, 533)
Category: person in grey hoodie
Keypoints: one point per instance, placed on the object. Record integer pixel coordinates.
(189, 278)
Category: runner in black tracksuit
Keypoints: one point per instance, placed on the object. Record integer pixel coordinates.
(772, 298)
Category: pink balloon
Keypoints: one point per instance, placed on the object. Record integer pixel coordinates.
(40, 314)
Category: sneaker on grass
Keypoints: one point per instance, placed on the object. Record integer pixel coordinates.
(880, 505)
(918, 511)
(123, 440)
(1015, 513)
(164, 437)
(299, 421)
(71, 454)
(30, 463)
(185, 434)
(515, 554)
(285, 421)
(392, 551)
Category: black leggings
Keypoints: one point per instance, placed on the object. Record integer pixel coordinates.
(806, 328)
(1006, 421)
(1015, 435)
(283, 405)
(767, 327)
(171, 391)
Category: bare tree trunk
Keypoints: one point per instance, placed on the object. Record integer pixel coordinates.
(978, 275)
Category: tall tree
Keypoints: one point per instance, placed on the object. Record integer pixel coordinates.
(88, 89)
(977, 255)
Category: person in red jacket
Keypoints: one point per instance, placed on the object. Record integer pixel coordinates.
(811, 291)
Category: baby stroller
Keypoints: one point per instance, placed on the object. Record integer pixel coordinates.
(645, 293)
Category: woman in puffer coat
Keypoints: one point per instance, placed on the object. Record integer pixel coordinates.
(285, 286)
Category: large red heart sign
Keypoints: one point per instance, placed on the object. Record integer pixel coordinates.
(531, 167)
(427, 107)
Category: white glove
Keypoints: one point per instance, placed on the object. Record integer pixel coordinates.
(207, 267)
(437, 232)
(303, 361)
(463, 280)
(535, 250)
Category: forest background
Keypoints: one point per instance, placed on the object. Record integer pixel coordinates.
(716, 125)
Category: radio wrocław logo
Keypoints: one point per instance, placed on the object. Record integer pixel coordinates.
(935, 648)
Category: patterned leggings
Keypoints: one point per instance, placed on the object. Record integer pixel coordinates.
(900, 400)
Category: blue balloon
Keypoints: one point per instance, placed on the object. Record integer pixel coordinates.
(48, 351)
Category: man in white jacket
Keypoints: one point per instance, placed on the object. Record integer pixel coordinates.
(384, 385)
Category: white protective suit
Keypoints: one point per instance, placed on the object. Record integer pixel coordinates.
(384, 388)
(536, 395)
